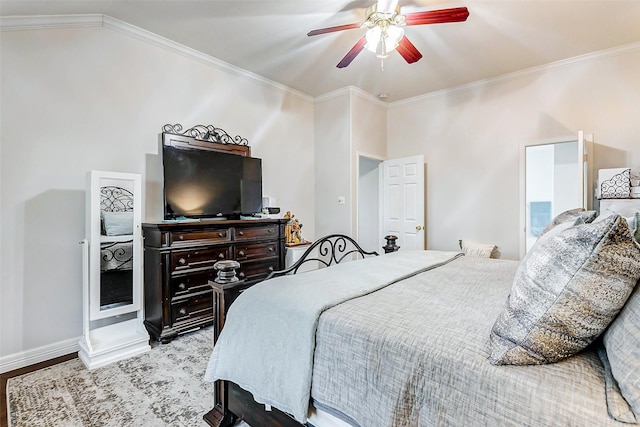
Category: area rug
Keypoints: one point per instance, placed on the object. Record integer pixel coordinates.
(163, 387)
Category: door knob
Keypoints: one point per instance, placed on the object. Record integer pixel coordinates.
(418, 227)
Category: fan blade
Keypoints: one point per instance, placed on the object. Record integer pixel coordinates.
(408, 51)
(456, 14)
(387, 6)
(333, 29)
(355, 50)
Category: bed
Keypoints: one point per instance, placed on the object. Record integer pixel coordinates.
(444, 339)
(116, 246)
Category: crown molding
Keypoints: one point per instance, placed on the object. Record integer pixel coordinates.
(15, 23)
(332, 95)
(350, 90)
(597, 55)
(42, 22)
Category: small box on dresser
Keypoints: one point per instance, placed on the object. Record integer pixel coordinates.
(178, 265)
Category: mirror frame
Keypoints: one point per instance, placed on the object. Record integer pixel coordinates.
(585, 151)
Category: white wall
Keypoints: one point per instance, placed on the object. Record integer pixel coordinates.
(369, 139)
(471, 138)
(368, 235)
(348, 122)
(79, 99)
(332, 134)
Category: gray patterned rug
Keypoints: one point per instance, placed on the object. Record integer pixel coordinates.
(163, 387)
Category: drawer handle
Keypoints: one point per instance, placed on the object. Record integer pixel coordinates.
(241, 275)
(240, 233)
(220, 234)
(182, 286)
(270, 231)
(241, 253)
(221, 256)
(270, 248)
(182, 312)
(182, 261)
(270, 269)
(181, 237)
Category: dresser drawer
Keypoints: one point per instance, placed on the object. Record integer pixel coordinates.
(182, 261)
(251, 251)
(195, 307)
(254, 272)
(251, 233)
(217, 235)
(186, 284)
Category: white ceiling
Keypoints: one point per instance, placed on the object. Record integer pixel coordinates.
(269, 38)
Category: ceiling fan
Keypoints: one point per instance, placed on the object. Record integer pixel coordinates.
(385, 33)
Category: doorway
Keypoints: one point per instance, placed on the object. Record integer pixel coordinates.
(391, 200)
(368, 206)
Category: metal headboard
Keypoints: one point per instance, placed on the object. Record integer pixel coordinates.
(332, 249)
(115, 199)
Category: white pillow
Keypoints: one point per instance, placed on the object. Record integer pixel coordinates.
(480, 250)
(117, 223)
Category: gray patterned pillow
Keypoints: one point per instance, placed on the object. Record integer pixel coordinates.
(622, 342)
(571, 215)
(566, 292)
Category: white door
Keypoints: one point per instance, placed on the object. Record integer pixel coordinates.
(402, 201)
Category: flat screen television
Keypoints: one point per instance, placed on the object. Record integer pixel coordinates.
(210, 184)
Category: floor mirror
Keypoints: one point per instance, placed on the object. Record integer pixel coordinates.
(112, 270)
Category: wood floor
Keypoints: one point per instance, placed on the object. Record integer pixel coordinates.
(4, 377)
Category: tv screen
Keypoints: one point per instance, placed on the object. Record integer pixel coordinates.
(205, 184)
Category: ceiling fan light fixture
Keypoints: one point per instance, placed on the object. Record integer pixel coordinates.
(382, 41)
(385, 33)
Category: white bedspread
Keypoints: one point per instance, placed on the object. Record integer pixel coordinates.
(268, 341)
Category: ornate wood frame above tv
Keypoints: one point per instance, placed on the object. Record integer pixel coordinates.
(205, 137)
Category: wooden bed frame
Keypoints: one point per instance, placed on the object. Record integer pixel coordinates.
(233, 403)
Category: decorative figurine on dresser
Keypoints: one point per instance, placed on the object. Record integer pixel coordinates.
(212, 199)
(293, 231)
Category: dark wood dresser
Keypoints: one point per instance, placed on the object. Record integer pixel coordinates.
(178, 264)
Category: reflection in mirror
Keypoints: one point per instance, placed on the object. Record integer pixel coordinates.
(116, 245)
(113, 223)
(553, 184)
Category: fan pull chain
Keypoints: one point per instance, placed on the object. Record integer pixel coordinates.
(382, 65)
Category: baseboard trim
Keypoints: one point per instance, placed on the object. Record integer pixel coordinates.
(38, 355)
